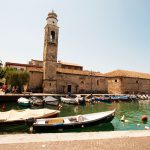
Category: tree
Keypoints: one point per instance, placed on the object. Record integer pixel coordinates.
(2, 72)
(16, 77)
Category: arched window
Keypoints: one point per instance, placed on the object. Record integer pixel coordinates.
(52, 36)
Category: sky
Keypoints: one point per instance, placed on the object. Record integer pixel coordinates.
(101, 35)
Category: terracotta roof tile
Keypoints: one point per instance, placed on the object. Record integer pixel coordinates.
(24, 65)
(79, 72)
(126, 73)
(34, 69)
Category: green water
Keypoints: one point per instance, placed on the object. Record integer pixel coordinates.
(132, 111)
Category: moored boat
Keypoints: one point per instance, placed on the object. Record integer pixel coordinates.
(70, 100)
(24, 102)
(120, 98)
(12, 117)
(103, 99)
(82, 101)
(35, 101)
(49, 100)
(90, 98)
(71, 122)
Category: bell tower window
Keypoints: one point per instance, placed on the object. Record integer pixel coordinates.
(52, 36)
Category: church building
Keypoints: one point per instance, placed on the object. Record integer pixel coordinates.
(54, 76)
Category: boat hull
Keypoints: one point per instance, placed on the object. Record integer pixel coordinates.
(41, 128)
(24, 104)
(103, 100)
(54, 103)
(72, 101)
(34, 101)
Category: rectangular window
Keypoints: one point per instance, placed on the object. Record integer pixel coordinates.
(97, 82)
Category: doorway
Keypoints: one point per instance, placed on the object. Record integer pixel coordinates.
(69, 89)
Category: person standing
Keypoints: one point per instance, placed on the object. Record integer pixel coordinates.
(4, 88)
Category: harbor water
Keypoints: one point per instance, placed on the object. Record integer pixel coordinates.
(133, 111)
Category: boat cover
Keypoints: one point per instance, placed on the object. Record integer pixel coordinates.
(26, 113)
(50, 99)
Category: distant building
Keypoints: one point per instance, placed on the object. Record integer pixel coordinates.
(61, 77)
(35, 72)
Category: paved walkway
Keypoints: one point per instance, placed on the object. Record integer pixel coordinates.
(115, 140)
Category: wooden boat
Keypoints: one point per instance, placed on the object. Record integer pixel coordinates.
(24, 102)
(12, 117)
(35, 101)
(70, 100)
(49, 100)
(71, 122)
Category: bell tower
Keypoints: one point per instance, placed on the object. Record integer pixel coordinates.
(50, 53)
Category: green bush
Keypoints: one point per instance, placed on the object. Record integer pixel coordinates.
(16, 77)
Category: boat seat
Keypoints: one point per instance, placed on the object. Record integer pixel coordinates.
(55, 121)
(41, 122)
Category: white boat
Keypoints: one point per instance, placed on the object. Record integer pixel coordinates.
(24, 101)
(35, 101)
(51, 100)
(70, 100)
(19, 116)
(71, 122)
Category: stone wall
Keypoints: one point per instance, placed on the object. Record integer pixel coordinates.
(114, 85)
(81, 84)
(135, 86)
(128, 85)
(35, 81)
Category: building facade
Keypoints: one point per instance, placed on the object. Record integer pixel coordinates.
(55, 76)
(128, 82)
(35, 73)
(59, 77)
